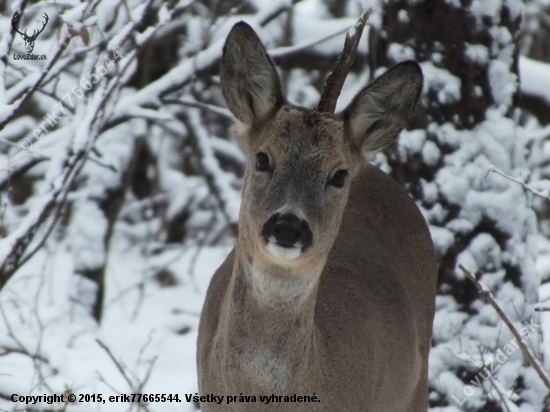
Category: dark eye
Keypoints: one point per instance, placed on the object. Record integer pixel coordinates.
(339, 178)
(262, 162)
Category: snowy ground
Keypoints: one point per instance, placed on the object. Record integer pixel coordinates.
(143, 320)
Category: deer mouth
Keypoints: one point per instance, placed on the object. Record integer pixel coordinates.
(283, 251)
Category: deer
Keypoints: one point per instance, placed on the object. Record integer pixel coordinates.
(29, 40)
(328, 296)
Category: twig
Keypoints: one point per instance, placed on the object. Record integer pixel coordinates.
(118, 365)
(542, 308)
(204, 61)
(35, 83)
(484, 292)
(494, 384)
(6, 351)
(542, 193)
(137, 388)
(286, 50)
(102, 379)
(265, 18)
(336, 79)
(147, 374)
(199, 105)
(13, 246)
(24, 350)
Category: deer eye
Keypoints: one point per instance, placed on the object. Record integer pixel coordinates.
(339, 178)
(262, 162)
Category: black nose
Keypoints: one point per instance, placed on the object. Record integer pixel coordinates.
(288, 230)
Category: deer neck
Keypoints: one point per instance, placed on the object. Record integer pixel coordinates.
(270, 325)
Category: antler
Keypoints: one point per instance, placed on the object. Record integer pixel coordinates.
(46, 19)
(336, 79)
(15, 22)
(35, 32)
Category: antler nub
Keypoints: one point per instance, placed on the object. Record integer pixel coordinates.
(336, 79)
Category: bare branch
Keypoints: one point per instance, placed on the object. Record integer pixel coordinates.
(19, 168)
(484, 292)
(542, 193)
(336, 79)
(121, 368)
(135, 387)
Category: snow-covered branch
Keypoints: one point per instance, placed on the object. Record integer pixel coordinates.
(220, 182)
(534, 78)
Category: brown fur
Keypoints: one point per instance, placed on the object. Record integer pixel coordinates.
(350, 319)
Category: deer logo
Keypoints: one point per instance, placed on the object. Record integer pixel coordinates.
(29, 40)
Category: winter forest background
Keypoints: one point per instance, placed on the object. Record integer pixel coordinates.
(114, 215)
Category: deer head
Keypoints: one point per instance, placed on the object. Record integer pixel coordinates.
(29, 40)
(301, 161)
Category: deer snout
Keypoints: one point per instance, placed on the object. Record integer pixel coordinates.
(287, 231)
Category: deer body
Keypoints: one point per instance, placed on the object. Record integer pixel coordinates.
(330, 289)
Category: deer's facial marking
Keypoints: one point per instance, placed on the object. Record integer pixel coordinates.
(296, 184)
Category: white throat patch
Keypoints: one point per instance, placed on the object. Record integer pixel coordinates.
(282, 288)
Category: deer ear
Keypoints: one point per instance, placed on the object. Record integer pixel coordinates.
(379, 112)
(250, 83)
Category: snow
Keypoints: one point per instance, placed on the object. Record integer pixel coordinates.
(534, 78)
(400, 52)
(503, 83)
(87, 252)
(447, 324)
(486, 8)
(429, 191)
(144, 318)
(461, 226)
(410, 143)
(485, 251)
(73, 16)
(444, 83)
(477, 53)
(142, 321)
(221, 180)
(443, 239)
(403, 16)
(430, 153)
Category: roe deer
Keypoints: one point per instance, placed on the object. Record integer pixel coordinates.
(330, 289)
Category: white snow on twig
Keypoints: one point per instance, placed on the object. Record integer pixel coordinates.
(229, 199)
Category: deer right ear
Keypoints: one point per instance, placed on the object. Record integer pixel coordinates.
(250, 83)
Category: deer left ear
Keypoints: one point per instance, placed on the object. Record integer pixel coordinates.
(379, 112)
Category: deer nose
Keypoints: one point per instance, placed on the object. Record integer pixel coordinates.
(288, 230)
